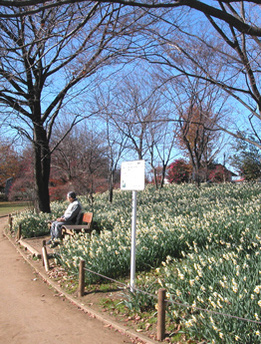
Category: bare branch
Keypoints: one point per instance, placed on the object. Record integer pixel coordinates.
(194, 4)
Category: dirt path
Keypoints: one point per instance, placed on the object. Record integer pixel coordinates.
(31, 311)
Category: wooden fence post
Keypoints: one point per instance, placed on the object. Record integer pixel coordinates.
(19, 232)
(161, 314)
(10, 222)
(81, 278)
(45, 259)
(44, 245)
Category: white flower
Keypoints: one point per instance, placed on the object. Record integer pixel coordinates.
(191, 282)
(257, 289)
(178, 292)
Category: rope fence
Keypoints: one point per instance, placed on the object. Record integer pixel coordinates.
(161, 297)
(162, 301)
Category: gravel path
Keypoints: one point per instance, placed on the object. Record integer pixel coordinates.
(32, 312)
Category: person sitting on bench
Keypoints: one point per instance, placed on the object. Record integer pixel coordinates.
(69, 218)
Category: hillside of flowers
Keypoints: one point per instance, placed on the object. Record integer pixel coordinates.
(201, 244)
(170, 222)
(206, 244)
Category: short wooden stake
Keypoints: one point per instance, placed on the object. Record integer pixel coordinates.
(44, 245)
(10, 222)
(161, 314)
(45, 259)
(19, 232)
(81, 278)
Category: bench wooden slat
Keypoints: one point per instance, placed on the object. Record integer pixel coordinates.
(86, 225)
(74, 230)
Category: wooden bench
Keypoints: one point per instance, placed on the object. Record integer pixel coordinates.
(85, 225)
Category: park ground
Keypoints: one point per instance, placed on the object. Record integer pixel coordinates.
(35, 309)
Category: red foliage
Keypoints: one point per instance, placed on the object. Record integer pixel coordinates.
(219, 174)
(57, 189)
(178, 172)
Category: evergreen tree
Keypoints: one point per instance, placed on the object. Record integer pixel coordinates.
(247, 160)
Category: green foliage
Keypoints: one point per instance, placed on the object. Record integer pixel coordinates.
(247, 160)
(36, 224)
(3, 197)
(168, 223)
(203, 237)
(222, 281)
(143, 298)
(32, 223)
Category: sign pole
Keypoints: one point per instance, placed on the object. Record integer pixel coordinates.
(133, 241)
(133, 178)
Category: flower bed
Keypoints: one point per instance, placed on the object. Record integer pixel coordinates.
(204, 245)
(209, 242)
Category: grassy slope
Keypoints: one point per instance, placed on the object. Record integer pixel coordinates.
(10, 207)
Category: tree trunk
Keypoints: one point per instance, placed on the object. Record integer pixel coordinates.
(163, 175)
(155, 176)
(42, 162)
(111, 182)
(196, 176)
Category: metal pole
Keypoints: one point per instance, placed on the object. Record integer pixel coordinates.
(133, 241)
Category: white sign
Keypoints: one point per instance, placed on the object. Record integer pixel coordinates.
(133, 175)
(133, 178)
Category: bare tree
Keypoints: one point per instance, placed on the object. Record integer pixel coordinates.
(131, 118)
(114, 138)
(80, 159)
(221, 53)
(138, 117)
(116, 142)
(46, 57)
(136, 113)
(160, 138)
(237, 26)
(10, 161)
(198, 134)
(225, 49)
(217, 10)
